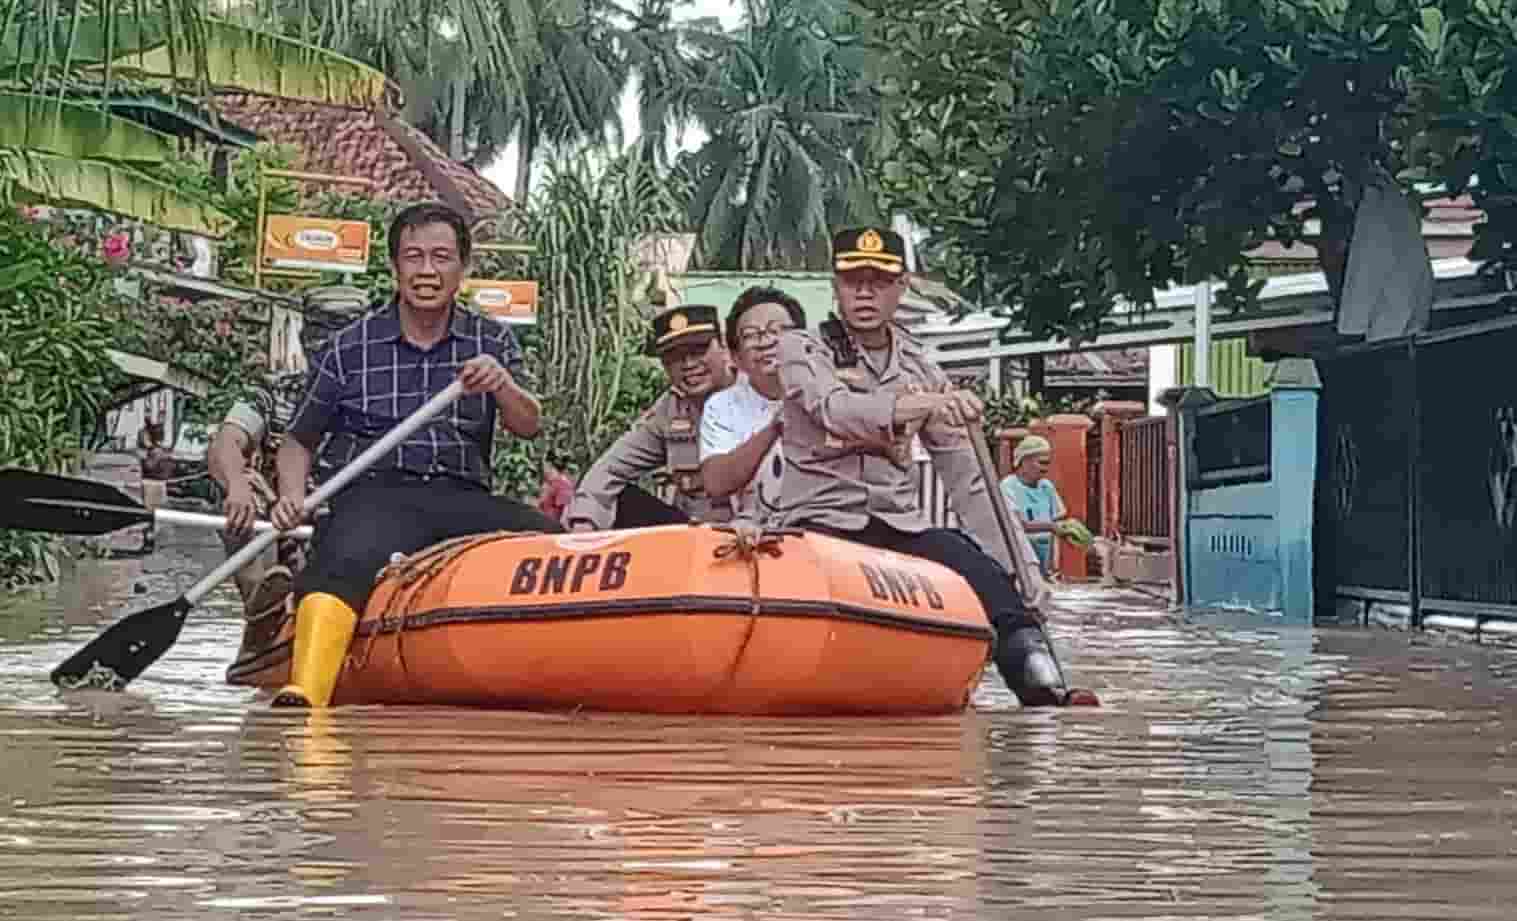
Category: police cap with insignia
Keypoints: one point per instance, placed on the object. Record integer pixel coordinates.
(869, 248)
(682, 325)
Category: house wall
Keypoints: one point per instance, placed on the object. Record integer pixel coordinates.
(1234, 373)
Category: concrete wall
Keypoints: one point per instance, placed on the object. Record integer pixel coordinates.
(1249, 545)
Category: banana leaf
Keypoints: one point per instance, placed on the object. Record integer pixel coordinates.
(164, 50)
(70, 129)
(109, 187)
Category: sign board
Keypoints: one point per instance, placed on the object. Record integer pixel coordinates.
(294, 242)
(507, 301)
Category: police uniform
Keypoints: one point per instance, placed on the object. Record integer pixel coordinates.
(849, 469)
(666, 438)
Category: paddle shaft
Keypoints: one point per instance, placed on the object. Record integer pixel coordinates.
(999, 509)
(327, 490)
(1004, 525)
(197, 520)
(171, 516)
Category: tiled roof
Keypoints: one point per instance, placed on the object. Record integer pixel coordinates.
(1109, 367)
(404, 164)
(1448, 225)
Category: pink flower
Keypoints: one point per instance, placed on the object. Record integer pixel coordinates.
(117, 248)
(224, 327)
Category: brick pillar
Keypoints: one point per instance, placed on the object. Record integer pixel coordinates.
(1110, 414)
(1068, 434)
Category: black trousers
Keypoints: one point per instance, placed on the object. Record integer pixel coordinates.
(638, 508)
(989, 580)
(385, 513)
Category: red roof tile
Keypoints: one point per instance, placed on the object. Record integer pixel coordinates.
(403, 163)
(1448, 226)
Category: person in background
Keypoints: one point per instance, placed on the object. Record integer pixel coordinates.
(557, 492)
(741, 426)
(156, 460)
(687, 340)
(240, 460)
(1033, 496)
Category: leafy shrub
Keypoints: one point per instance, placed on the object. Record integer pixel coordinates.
(53, 366)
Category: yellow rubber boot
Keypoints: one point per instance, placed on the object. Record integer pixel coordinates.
(324, 627)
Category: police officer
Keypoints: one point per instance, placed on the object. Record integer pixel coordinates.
(856, 393)
(687, 341)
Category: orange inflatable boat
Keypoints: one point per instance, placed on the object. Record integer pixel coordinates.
(675, 619)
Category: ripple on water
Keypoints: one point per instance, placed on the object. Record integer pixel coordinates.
(1240, 769)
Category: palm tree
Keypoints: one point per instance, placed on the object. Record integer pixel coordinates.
(540, 72)
(60, 61)
(789, 119)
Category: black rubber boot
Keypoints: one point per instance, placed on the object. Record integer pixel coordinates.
(1028, 668)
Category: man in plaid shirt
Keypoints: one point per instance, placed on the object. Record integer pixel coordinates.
(436, 485)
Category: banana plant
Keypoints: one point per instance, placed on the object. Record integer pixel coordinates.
(60, 60)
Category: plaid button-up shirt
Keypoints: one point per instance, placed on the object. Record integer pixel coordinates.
(369, 378)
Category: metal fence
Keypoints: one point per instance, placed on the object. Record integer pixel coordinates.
(1417, 495)
(1466, 463)
(1364, 486)
(1145, 491)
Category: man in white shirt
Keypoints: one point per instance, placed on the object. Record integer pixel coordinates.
(740, 427)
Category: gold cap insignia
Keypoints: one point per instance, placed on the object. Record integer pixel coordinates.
(870, 242)
(678, 322)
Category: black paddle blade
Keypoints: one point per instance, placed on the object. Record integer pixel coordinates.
(31, 501)
(114, 658)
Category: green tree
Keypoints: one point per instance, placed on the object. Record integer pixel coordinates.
(588, 369)
(789, 118)
(1068, 153)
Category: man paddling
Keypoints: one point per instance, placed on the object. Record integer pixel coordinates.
(740, 427)
(687, 341)
(856, 393)
(375, 372)
(240, 460)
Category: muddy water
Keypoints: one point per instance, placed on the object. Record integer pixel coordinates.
(1236, 771)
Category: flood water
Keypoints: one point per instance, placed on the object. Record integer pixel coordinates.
(1237, 770)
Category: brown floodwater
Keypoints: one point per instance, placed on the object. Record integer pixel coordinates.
(1239, 769)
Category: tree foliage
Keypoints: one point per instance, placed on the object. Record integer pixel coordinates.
(53, 365)
(790, 120)
(1070, 153)
(61, 62)
(587, 368)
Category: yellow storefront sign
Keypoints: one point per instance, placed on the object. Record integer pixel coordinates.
(291, 241)
(508, 301)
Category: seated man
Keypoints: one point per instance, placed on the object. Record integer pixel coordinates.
(668, 435)
(374, 373)
(855, 396)
(241, 464)
(740, 428)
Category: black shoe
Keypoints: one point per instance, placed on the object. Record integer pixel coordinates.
(1027, 666)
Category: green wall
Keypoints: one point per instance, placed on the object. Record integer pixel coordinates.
(1234, 373)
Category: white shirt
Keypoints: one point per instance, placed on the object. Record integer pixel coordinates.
(729, 418)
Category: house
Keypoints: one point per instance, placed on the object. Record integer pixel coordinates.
(401, 162)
